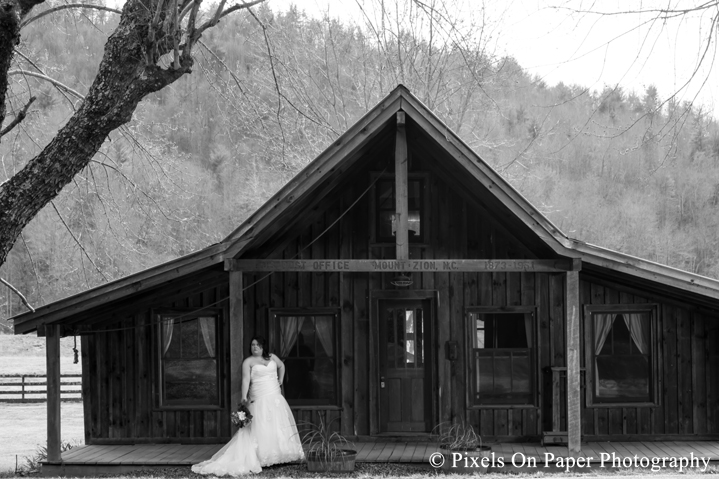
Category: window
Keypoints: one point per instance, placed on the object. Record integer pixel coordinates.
(307, 344)
(621, 354)
(502, 358)
(385, 223)
(189, 369)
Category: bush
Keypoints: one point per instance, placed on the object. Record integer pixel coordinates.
(33, 464)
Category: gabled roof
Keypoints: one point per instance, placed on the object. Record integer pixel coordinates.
(332, 163)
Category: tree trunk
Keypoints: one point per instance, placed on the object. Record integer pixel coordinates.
(124, 78)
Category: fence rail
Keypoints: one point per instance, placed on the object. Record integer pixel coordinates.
(27, 388)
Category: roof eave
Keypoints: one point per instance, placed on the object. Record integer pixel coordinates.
(141, 281)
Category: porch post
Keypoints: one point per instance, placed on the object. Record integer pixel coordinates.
(237, 346)
(52, 351)
(574, 419)
(401, 200)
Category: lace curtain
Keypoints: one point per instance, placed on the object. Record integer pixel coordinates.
(168, 324)
(290, 327)
(639, 329)
(323, 326)
(207, 326)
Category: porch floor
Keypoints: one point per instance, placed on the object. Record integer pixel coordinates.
(85, 460)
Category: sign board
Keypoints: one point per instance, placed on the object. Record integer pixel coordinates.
(399, 266)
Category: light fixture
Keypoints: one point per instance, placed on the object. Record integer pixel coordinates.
(402, 280)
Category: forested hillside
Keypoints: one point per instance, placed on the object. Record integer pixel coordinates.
(627, 171)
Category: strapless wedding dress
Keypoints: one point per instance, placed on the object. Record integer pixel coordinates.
(271, 438)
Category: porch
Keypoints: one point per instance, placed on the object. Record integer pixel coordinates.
(119, 459)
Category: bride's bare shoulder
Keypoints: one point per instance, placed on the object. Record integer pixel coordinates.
(249, 361)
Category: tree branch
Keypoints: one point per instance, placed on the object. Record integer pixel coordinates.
(219, 14)
(20, 295)
(48, 79)
(65, 7)
(77, 241)
(18, 118)
(60, 90)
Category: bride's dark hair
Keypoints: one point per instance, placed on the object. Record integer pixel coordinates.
(262, 342)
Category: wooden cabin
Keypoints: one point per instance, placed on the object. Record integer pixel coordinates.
(405, 284)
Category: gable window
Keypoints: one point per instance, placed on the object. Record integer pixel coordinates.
(307, 342)
(188, 368)
(502, 357)
(384, 217)
(621, 354)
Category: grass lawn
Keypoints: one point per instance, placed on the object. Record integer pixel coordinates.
(26, 355)
(24, 428)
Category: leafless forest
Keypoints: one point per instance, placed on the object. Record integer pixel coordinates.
(269, 91)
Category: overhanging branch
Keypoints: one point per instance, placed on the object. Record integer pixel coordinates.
(65, 7)
(20, 295)
(48, 79)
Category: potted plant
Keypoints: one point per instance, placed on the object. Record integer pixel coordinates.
(462, 448)
(327, 450)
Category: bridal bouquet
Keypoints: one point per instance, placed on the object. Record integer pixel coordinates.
(242, 416)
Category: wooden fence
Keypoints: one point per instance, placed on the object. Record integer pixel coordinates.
(27, 388)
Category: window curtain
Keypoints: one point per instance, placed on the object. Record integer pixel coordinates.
(639, 329)
(168, 324)
(602, 326)
(323, 326)
(289, 329)
(207, 326)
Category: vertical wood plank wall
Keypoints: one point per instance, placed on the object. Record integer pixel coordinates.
(688, 351)
(466, 233)
(117, 365)
(118, 385)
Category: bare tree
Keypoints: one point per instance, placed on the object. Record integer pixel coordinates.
(651, 20)
(150, 49)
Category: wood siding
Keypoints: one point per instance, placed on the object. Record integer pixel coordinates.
(118, 365)
(687, 348)
(119, 389)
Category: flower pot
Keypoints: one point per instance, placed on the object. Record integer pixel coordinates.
(342, 461)
(466, 461)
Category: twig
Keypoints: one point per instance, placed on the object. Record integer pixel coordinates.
(15, 290)
(64, 7)
(219, 14)
(277, 83)
(46, 78)
(18, 118)
(77, 241)
(62, 92)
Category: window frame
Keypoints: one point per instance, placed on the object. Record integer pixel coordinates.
(534, 351)
(589, 354)
(423, 214)
(275, 313)
(158, 381)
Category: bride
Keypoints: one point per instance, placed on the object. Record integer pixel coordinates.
(271, 437)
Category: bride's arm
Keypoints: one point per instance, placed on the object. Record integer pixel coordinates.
(245, 379)
(280, 368)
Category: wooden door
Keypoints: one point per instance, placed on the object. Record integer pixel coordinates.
(405, 375)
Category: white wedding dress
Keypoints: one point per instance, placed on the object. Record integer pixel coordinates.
(271, 437)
